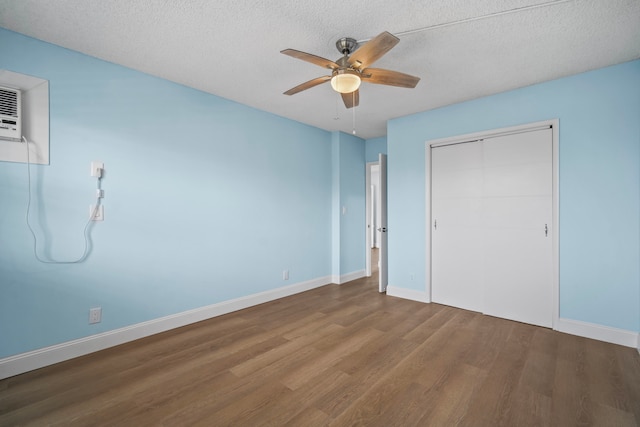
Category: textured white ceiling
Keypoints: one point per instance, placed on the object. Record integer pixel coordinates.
(230, 48)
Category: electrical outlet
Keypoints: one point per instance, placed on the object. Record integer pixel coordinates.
(96, 169)
(95, 315)
(96, 214)
(285, 274)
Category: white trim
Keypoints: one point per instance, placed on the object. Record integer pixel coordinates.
(339, 280)
(555, 229)
(429, 220)
(555, 218)
(598, 332)
(25, 362)
(411, 294)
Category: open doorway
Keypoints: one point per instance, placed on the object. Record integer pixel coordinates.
(373, 216)
(376, 232)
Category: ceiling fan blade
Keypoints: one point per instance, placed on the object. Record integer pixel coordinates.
(387, 77)
(307, 85)
(314, 59)
(373, 50)
(351, 99)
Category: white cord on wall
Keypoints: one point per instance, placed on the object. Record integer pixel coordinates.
(85, 232)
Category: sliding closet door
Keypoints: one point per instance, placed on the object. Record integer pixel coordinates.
(518, 217)
(491, 204)
(456, 229)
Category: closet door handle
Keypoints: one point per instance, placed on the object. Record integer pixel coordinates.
(546, 230)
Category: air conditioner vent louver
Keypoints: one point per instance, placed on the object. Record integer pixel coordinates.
(8, 103)
(10, 114)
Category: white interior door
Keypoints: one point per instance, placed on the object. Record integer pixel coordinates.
(517, 211)
(492, 249)
(456, 229)
(383, 272)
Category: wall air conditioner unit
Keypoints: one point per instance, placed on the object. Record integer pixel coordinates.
(10, 114)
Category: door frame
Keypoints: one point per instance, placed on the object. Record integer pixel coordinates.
(383, 258)
(555, 232)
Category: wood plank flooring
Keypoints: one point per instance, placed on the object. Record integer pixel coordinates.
(338, 356)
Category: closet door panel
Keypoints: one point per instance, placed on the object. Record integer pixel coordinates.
(491, 204)
(517, 215)
(456, 188)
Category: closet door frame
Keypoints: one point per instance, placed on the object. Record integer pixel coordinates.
(554, 125)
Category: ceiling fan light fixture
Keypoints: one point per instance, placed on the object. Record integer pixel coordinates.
(345, 81)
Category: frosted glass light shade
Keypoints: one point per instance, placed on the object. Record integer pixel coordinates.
(345, 81)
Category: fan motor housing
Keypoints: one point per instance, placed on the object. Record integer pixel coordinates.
(346, 45)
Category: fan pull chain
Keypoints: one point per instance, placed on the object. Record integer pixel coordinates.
(353, 102)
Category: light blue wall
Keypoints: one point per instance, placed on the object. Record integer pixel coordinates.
(373, 147)
(599, 115)
(206, 200)
(349, 193)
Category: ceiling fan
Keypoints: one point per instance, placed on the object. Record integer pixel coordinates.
(352, 68)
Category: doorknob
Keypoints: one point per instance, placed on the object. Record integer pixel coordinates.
(382, 229)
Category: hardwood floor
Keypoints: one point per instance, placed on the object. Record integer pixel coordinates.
(338, 355)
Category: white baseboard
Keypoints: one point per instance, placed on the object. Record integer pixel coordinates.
(420, 296)
(339, 280)
(36, 359)
(599, 332)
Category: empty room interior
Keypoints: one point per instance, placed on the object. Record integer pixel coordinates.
(382, 213)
